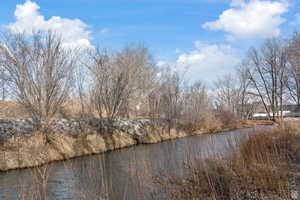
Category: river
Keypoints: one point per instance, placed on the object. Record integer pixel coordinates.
(120, 174)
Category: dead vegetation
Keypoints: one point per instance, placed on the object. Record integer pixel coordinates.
(262, 168)
(9, 109)
(40, 73)
(39, 79)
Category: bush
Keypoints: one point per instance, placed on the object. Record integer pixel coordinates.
(261, 169)
(228, 119)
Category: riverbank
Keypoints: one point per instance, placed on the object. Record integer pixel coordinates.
(265, 166)
(21, 146)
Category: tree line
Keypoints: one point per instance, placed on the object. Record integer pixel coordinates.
(269, 76)
(43, 76)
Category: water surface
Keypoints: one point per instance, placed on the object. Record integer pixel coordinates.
(120, 174)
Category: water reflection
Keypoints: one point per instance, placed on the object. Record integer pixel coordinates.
(121, 174)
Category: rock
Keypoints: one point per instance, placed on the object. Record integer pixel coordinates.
(295, 194)
(22, 146)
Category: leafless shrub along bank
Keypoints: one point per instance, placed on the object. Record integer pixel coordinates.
(260, 169)
(45, 78)
(120, 80)
(40, 73)
(166, 101)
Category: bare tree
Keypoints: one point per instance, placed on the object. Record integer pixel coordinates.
(197, 105)
(139, 64)
(247, 100)
(111, 88)
(233, 93)
(267, 69)
(293, 83)
(4, 80)
(227, 93)
(81, 92)
(40, 73)
(119, 79)
(166, 100)
(171, 99)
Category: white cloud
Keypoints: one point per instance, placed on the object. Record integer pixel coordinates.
(249, 19)
(206, 62)
(74, 32)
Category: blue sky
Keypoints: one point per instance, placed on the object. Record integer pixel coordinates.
(207, 37)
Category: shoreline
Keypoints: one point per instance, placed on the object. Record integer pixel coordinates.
(22, 151)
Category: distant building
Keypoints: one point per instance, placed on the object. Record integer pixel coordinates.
(289, 110)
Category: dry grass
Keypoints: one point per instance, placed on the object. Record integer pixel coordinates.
(262, 169)
(9, 109)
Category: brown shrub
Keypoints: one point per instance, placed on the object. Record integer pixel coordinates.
(228, 119)
(208, 123)
(260, 169)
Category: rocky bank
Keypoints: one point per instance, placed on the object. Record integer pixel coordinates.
(22, 146)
